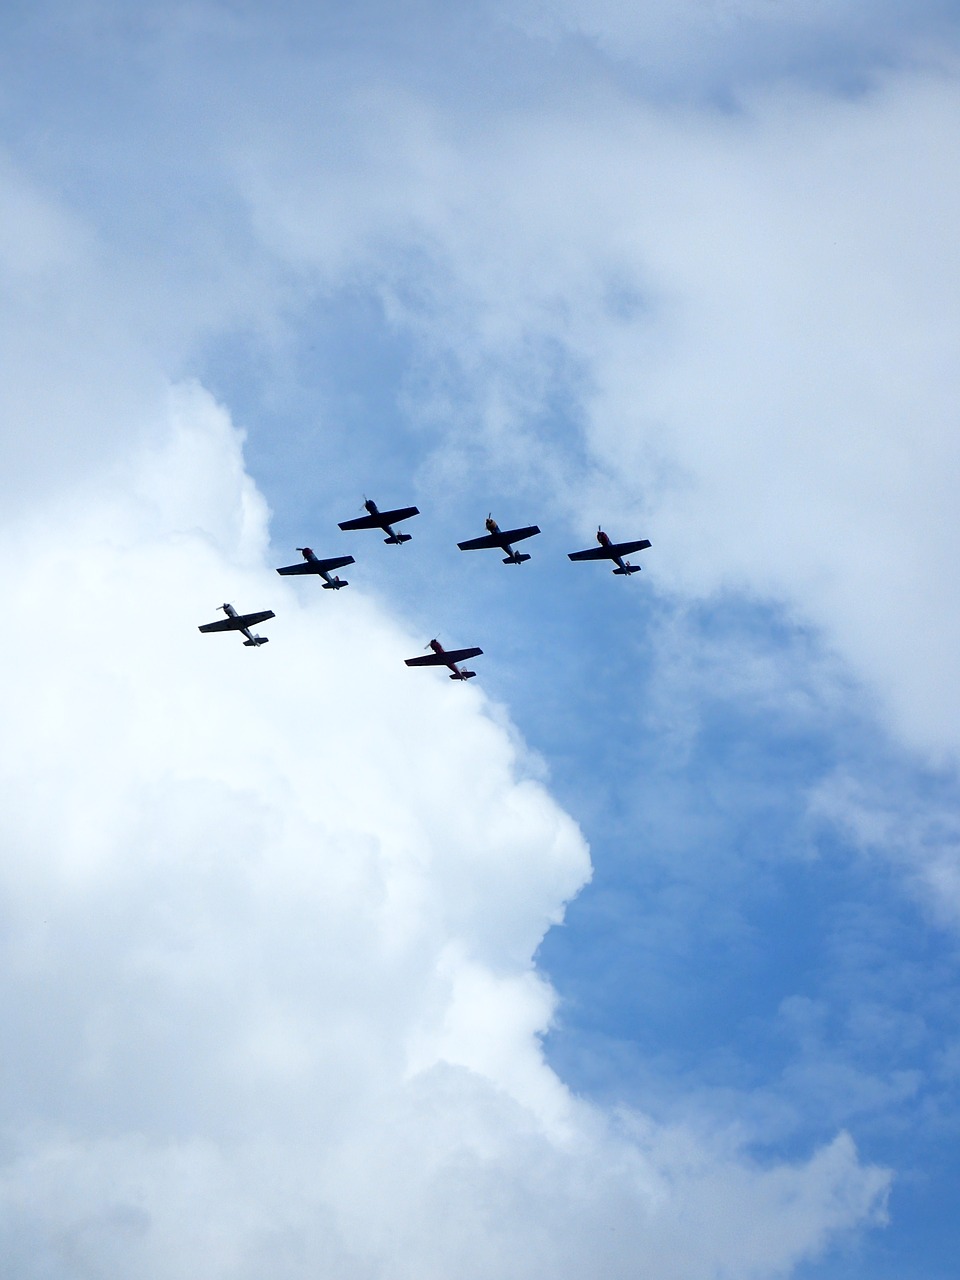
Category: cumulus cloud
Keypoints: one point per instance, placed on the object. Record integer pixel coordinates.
(61, 338)
(734, 330)
(268, 927)
(920, 834)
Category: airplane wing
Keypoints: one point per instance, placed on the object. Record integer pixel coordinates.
(442, 659)
(461, 655)
(479, 544)
(607, 553)
(401, 513)
(363, 522)
(498, 539)
(624, 548)
(591, 553)
(238, 623)
(317, 566)
(518, 535)
(380, 519)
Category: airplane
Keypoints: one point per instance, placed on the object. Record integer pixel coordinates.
(497, 537)
(322, 567)
(376, 519)
(241, 622)
(608, 550)
(446, 658)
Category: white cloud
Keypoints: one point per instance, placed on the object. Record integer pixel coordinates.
(61, 339)
(921, 834)
(752, 317)
(268, 920)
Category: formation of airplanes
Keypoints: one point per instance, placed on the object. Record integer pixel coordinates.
(494, 539)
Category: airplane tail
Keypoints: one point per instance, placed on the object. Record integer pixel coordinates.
(399, 537)
(629, 568)
(336, 584)
(257, 641)
(518, 557)
(462, 675)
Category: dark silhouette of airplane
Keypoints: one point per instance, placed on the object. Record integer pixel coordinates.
(241, 622)
(501, 539)
(376, 519)
(441, 657)
(323, 568)
(608, 550)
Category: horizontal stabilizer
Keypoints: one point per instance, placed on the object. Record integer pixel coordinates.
(396, 539)
(628, 568)
(518, 557)
(336, 584)
(257, 641)
(464, 675)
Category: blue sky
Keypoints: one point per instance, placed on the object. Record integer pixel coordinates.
(687, 271)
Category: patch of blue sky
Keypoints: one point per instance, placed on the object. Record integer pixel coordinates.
(737, 953)
(320, 412)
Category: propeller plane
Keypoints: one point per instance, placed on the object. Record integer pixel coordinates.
(496, 537)
(608, 550)
(440, 657)
(323, 568)
(377, 519)
(241, 622)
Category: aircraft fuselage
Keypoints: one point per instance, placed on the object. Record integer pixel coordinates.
(331, 580)
(623, 566)
(455, 672)
(511, 556)
(397, 539)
